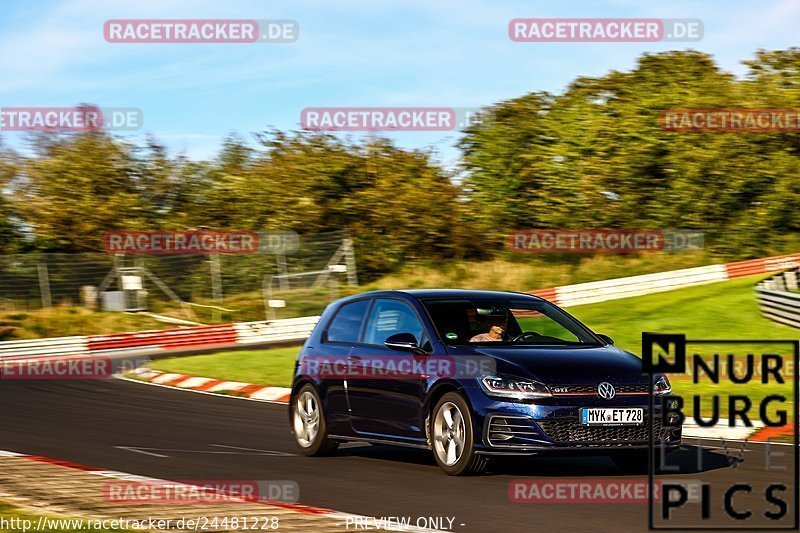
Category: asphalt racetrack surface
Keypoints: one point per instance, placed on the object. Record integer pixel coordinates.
(179, 435)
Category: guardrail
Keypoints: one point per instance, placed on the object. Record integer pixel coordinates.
(777, 302)
(290, 329)
(50, 347)
(612, 289)
(165, 342)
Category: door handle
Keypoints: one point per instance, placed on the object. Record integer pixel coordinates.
(353, 359)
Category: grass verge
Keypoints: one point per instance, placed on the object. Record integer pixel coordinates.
(268, 367)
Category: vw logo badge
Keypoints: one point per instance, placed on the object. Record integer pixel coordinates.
(606, 390)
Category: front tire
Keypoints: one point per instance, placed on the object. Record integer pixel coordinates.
(451, 432)
(308, 424)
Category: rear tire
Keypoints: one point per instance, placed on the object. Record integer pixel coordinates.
(308, 424)
(451, 434)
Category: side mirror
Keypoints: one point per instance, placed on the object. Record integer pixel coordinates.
(403, 342)
(606, 339)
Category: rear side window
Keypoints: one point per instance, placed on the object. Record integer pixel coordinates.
(388, 317)
(346, 325)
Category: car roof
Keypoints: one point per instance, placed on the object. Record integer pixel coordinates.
(464, 293)
(444, 293)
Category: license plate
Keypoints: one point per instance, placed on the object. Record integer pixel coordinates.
(612, 416)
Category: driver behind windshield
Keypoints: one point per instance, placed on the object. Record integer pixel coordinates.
(495, 334)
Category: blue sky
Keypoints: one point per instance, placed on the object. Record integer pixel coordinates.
(350, 53)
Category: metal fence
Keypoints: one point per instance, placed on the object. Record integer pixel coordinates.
(779, 297)
(219, 281)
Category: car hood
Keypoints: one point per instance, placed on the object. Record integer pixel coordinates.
(566, 365)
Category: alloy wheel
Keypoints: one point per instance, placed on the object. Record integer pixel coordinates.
(448, 433)
(306, 419)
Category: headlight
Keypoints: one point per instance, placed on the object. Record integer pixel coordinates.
(513, 388)
(662, 386)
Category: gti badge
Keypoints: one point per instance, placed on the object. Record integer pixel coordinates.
(606, 390)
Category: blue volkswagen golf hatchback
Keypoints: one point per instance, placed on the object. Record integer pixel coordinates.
(470, 375)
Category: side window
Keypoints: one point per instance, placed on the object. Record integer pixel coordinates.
(346, 324)
(388, 317)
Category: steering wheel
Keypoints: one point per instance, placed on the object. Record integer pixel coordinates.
(524, 335)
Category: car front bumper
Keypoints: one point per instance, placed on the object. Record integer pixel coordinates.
(552, 425)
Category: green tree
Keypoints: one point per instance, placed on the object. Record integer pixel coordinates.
(76, 187)
(9, 227)
(596, 155)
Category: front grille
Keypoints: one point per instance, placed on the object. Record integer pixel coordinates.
(636, 388)
(512, 431)
(568, 430)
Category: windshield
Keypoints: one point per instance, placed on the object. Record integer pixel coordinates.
(508, 321)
